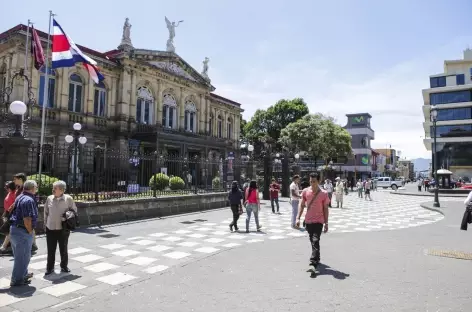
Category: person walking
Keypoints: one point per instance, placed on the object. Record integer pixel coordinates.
(328, 186)
(8, 204)
(359, 188)
(274, 195)
(253, 205)
(339, 192)
(235, 197)
(19, 179)
(316, 201)
(23, 221)
(56, 233)
(420, 184)
(294, 198)
(367, 186)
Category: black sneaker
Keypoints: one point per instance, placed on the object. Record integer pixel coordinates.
(231, 228)
(48, 272)
(65, 270)
(34, 248)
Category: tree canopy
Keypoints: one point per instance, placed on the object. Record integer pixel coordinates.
(318, 135)
(269, 123)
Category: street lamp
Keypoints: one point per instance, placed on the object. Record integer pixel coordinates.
(18, 108)
(77, 138)
(297, 156)
(434, 117)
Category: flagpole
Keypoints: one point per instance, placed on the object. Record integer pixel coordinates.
(25, 87)
(46, 98)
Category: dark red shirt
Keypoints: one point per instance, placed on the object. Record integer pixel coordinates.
(9, 200)
(274, 193)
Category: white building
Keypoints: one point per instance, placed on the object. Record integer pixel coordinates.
(451, 93)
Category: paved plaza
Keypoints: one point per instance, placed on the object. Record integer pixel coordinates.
(106, 261)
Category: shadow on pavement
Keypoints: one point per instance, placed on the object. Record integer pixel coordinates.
(327, 270)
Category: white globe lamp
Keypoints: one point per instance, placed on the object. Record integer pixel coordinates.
(77, 126)
(18, 108)
(82, 140)
(297, 156)
(250, 148)
(69, 138)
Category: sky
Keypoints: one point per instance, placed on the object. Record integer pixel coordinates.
(341, 56)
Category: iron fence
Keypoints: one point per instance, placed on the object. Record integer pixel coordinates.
(97, 174)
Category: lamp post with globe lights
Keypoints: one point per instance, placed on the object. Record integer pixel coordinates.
(77, 138)
(250, 149)
(434, 117)
(18, 109)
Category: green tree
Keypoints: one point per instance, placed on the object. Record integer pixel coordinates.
(242, 130)
(269, 123)
(318, 135)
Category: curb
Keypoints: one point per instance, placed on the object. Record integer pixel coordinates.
(429, 195)
(425, 206)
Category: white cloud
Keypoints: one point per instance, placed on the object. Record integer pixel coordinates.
(393, 97)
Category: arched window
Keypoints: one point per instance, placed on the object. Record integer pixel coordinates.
(100, 100)
(51, 86)
(144, 106)
(210, 124)
(190, 116)
(229, 128)
(169, 109)
(220, 126)
(75, 93)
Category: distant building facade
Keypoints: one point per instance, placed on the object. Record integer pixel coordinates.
(149, 101)
(362, 163)
(451, 93)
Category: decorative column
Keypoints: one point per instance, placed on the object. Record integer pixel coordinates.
(132, 97)
(201, 114)
(181, 109)
(225, 124)
(88, 100)
(159, 102)
(123, 95)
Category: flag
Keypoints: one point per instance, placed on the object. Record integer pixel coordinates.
(37, 49)
(65, 53)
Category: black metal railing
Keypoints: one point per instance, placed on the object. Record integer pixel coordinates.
(107, 174)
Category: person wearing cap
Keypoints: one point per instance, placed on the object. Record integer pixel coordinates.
(339, 192)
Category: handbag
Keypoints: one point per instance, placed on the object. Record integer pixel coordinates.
(309, 205)
(71, 220)
(5, 228)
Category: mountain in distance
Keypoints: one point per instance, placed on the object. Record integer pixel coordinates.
(421, 164)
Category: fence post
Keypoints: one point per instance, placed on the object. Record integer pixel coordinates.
(154, 175)
(285, 175)
(98, 169)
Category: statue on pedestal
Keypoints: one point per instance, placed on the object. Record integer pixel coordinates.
(171, 27)
(205, 68)
(126, 37)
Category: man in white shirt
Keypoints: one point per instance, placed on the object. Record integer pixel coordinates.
(295, 198)
(328, 186)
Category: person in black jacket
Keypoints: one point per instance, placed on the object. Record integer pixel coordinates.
(467, 218)
(235, 197)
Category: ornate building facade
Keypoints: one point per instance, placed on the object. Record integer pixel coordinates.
(150, 100)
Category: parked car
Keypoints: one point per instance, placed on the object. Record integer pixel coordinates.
(387, 182)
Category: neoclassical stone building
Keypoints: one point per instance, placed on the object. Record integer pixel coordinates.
(149, 100)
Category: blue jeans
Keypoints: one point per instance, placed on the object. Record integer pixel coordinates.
(21, 243)
(294, 211)
(276, 201)
(250, 208)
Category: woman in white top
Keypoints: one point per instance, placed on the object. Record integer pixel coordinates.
(295, 198)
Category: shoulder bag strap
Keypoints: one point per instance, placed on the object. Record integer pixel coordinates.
(313, 199)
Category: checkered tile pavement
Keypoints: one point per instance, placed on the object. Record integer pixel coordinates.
(113, 262)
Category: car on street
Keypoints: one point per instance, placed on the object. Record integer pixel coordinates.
(386, 182)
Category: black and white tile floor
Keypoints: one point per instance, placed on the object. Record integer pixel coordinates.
(120, 261)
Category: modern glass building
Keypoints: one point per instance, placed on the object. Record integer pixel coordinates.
(451, 93)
